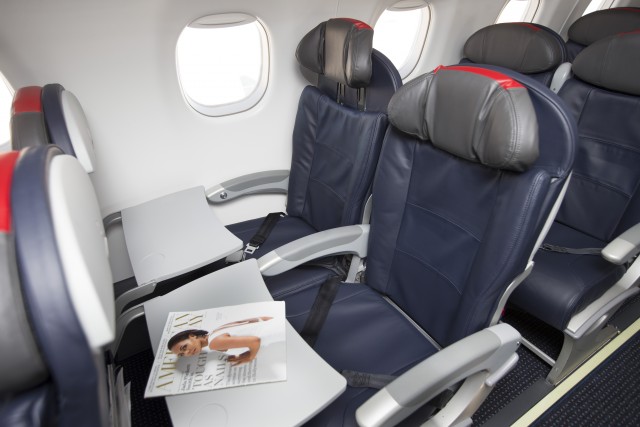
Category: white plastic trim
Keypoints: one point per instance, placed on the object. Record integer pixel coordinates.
(82, 244)
(79, 131)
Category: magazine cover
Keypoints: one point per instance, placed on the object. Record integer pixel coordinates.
(220, 347)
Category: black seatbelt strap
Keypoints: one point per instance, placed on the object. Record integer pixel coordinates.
(320, 310)
(263, 232)
(576, 251)
(366, 379)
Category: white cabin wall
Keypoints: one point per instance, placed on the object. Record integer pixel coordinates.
(118, 58)
(452, 22)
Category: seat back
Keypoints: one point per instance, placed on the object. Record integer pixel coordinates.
(603, 199)
(25, 389)
(65, 279)
(340, 123)
(27, 118)
(67, 124)
(530, 49)
(600, 24)
(467, 180)
(51, 114)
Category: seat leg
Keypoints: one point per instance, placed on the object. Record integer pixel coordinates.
(576, 351)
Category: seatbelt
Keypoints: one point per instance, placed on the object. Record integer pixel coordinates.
(263, 232)
(367, 379)
(576, 251)
(320, 310)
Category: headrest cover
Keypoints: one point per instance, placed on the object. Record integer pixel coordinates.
(27, 100)
(521, 47)
(612, 63)
(604, 23)
(474, 113)
(339, 49)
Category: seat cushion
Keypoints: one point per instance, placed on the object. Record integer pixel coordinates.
(286, 230)
(570, 281)
(363, 332)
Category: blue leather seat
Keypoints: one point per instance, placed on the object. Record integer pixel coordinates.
(54, 372)
(567, 290)
(460, 201)
(336, 142)
(531, 49)
(600, 24)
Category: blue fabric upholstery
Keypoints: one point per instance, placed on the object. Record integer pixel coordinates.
(334, 156)
(335, 150)
(602, 201)
(447, 237)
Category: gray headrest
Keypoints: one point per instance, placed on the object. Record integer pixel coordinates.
(604, 23)
(474, 113)
(612, 63)
(339, 49)
(519, 46)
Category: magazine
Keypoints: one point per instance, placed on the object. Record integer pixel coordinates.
(220, 347)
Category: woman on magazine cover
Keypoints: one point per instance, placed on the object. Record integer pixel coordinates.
(191, 342)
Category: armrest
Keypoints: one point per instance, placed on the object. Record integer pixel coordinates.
(480, 360)
(624, 247)
(352, 239)
(268, 182)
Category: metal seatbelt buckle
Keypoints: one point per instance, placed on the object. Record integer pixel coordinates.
(250, 249)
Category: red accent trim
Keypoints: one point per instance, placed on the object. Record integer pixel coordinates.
(7, 163)
(503, 80)
(629, 32)
(358, 24)
(27, 100)
(526, 24)
(629, 9)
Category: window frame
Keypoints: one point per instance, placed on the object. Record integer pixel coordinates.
(529, 14)
(226, 20)
(420, 38)
(5, 145)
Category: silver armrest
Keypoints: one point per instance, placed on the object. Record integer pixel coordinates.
(562, 74)
(480, 360)
(267, 182)
(352, 239)
(624, 247)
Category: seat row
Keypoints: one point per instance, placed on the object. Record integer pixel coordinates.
(452, 199)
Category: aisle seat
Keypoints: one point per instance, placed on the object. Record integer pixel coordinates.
(574, 292)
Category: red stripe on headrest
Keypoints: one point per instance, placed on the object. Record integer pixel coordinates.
(502, 79)
(629, 9)
(27, 100)
(629, 32)
(526, 24)
(358, 24)
(7, 163)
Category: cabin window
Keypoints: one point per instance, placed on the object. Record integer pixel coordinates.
(6, 97)
(595, 5)
(400, 33)
(518, 11)
(223, 63)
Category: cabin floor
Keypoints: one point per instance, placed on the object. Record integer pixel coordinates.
(606, 393)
